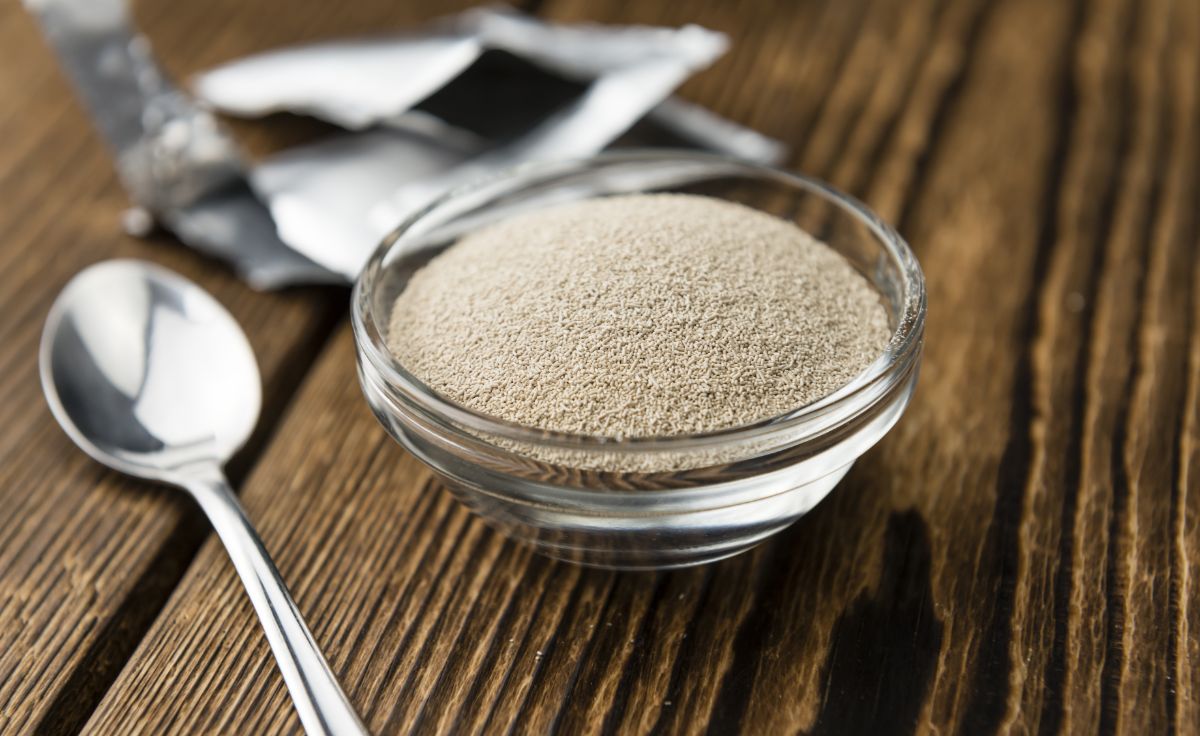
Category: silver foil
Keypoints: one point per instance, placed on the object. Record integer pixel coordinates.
(333, 201)
(362, 82)
(173, 157)
(314, 213)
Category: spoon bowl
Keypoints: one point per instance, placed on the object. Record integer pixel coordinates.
(151, 376)
(146, 372)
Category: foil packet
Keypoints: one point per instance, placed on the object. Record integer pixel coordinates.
(423, 111)
(174, 158)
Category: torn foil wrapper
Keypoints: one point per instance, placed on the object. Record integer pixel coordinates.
(364, 82)
(173, 157)
(422, 110)
(334, 200)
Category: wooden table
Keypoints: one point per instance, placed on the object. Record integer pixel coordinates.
(1021, 554)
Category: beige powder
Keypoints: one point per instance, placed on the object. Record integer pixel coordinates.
(638, 315)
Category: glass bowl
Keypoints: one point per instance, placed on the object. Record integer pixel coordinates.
(679, 500)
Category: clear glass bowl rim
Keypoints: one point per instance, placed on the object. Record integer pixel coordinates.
(873, 384)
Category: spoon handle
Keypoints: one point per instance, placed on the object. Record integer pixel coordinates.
(319, 700)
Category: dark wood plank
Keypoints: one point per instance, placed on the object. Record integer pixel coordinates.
(1019, 554)
(87, 559)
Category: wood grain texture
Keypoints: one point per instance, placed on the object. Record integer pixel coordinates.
(86, 558)
(1020, 554)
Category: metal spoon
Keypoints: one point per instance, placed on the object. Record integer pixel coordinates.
(151, 376)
